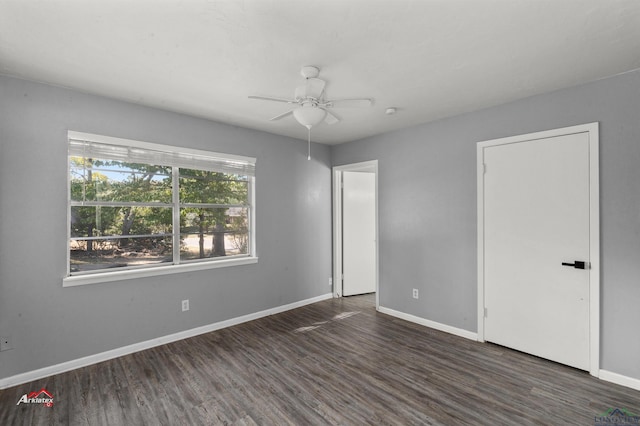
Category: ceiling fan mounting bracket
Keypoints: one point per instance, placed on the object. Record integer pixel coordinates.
(310, 71)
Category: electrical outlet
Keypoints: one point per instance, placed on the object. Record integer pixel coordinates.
(330, 282)
(5, 343)
(415, 293)
(185, 305)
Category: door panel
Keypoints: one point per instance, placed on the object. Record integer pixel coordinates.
(358, 234)
(536, 216)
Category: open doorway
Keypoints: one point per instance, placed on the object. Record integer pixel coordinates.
(355, 229)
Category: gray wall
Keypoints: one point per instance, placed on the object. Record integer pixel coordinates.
(50, 324)
(427, 206)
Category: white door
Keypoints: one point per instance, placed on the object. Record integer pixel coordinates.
(358, 233)
(536, 218)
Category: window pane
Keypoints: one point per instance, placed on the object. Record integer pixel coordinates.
(122, 205)
(98, 221)
(200, 186)
(91, 255)
(209, 232)
(106, 180)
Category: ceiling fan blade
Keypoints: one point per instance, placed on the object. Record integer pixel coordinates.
(314, 88)
(348, 103)
(284, 114)
(330, 118)
(266, 98)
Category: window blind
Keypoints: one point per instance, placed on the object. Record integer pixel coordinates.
(188, 159)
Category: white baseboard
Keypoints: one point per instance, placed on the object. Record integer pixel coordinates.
(30, 376)
(619, 379)
(431, 324)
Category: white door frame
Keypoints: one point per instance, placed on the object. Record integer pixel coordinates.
(365, 166)
(594, 229)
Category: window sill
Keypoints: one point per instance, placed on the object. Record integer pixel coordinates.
(103, 277)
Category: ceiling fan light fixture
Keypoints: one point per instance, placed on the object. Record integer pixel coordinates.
(309, 116)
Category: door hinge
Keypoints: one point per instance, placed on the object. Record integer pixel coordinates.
(484, 168)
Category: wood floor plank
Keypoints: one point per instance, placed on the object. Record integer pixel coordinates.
(334, 362)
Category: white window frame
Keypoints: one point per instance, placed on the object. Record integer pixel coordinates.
(150, 271)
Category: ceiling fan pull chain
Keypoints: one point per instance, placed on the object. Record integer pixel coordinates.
(309, 143)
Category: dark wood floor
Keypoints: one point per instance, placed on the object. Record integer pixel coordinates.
(333, 362)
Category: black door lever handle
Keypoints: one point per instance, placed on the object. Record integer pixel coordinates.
(577, 264)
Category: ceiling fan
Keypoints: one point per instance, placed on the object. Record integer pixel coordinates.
(311, 105)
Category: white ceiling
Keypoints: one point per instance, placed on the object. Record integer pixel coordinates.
(429, 58)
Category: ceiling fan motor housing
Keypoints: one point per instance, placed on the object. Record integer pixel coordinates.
(311, 90)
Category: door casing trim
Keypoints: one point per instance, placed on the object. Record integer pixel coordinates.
(369, 166)
(594, 228)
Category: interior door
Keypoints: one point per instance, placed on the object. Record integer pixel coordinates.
(358, 233)
(536, 226)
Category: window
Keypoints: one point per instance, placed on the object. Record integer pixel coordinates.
(135, 205)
